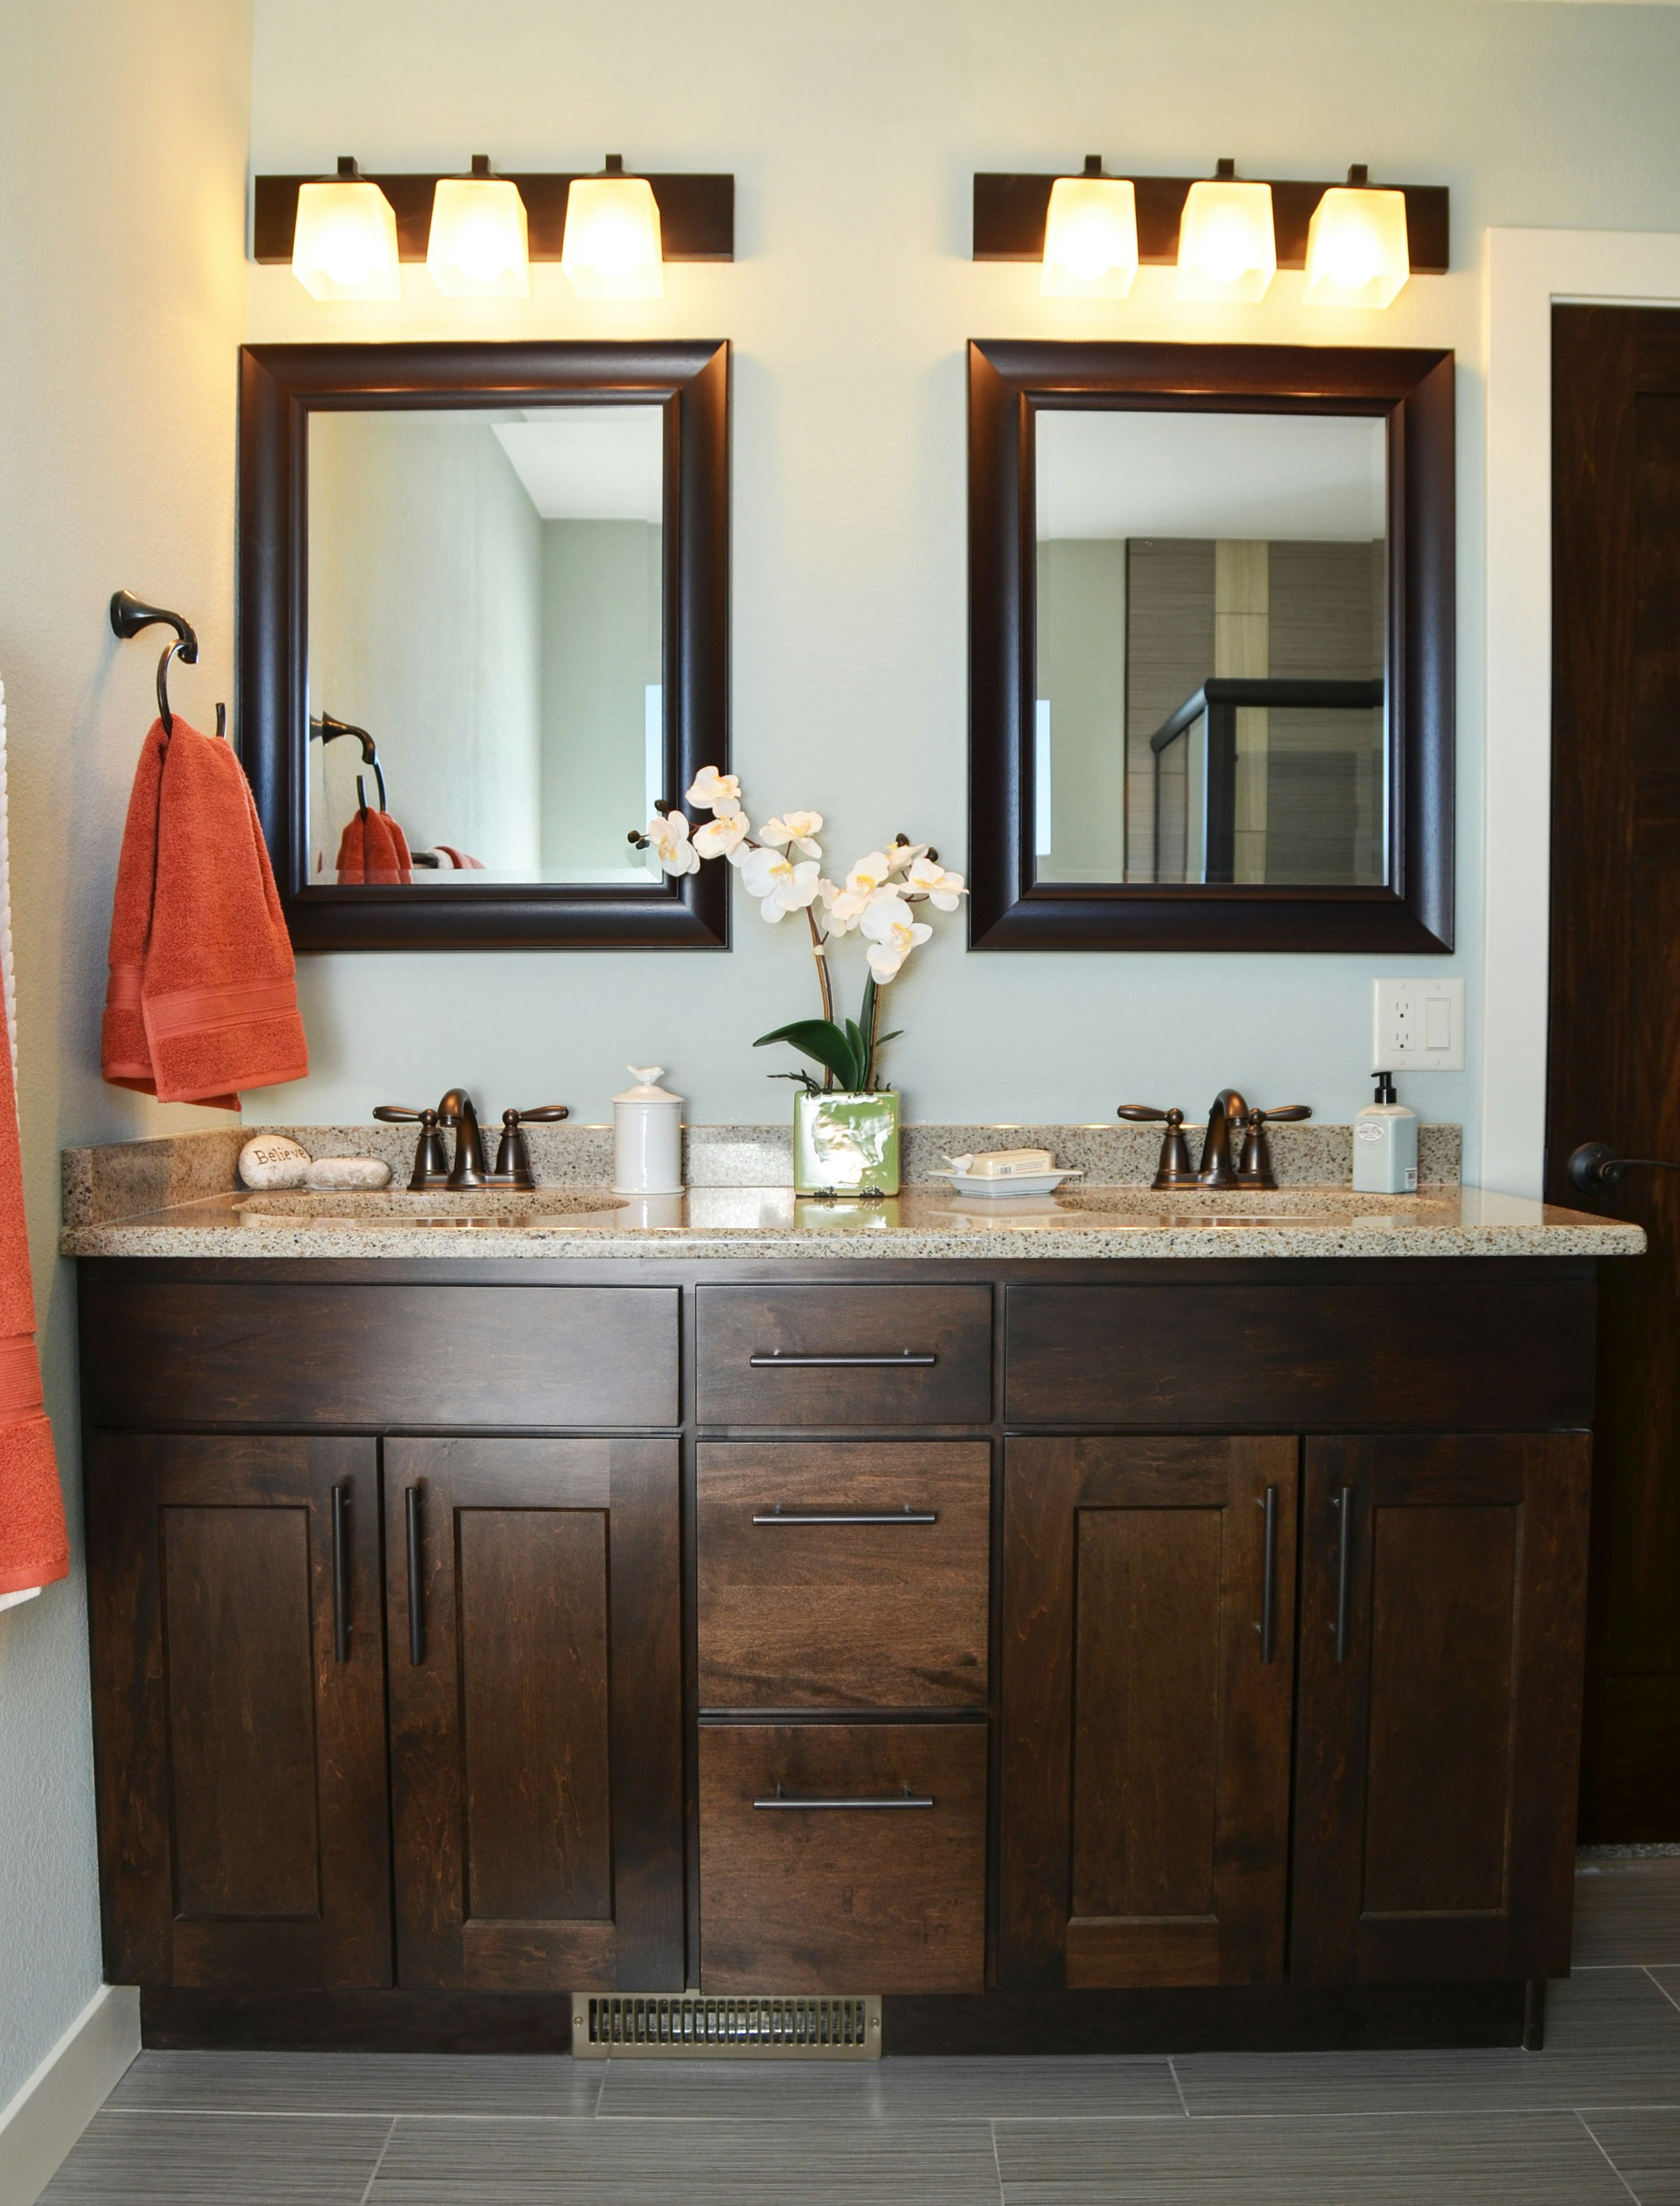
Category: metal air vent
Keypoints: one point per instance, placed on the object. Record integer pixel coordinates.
(687, 2026)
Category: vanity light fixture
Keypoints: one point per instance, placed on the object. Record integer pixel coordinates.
(344, 241)
(1227, 248)
(612, 249)
(1357, 252)
(1090, 236)
(479, 245)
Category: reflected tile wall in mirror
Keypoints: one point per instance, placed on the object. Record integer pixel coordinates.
(486, 601)
(1212, 594)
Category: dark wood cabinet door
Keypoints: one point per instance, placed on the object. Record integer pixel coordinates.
(1146, 1712)
(536, 1708)
(239, 1710)
(1442, 1591)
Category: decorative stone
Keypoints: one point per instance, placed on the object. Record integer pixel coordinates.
(347, 1171)
(272, 1160)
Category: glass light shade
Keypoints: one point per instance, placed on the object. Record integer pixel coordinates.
(1090, 239)
(344, 246)
(611, 248)
(1357, 254)
(479, 246)
(1227, 249)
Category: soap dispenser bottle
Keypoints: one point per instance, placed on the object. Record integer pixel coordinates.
(1386, 1144)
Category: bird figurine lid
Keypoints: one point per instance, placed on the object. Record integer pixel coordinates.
(646, 1090)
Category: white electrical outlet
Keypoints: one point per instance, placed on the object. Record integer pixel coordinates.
(1419, 1027)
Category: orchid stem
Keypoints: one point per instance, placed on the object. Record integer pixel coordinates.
(821, 962)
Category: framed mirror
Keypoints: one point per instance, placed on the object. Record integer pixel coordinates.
(484, 629)
(1210, 647)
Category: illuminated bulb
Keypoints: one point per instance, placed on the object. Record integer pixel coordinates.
(478, 248)
(611, 247)
(1226, 247)
(1357, 252)
(1090, 239)
(344, 246)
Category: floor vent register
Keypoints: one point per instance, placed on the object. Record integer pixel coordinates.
(690, 2026)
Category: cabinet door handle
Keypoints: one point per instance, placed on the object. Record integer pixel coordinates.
(779, 1798)
(1267, 1626)
(1344, 1502)
(411, 1504)
(904, 1516)
(777, 1362)
(340, 1575)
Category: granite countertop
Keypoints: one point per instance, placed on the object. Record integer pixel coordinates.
(176, 1198)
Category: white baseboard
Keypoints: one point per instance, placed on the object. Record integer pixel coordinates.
(57, 2103)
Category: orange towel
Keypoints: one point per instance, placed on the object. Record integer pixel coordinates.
(33, 1547)
(202, 999)
(460, 860)
(373, 848)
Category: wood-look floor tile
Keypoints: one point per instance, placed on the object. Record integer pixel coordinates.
(363, 2082)
(1644, 2142)
(1472, 2159)
(918, 2090)
(219, 2159)
(1611, 2039)
(1627, 1910)
(643, 2163)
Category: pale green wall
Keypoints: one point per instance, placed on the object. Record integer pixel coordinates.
(601, 630)
(854, 134)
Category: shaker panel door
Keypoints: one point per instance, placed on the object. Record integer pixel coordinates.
(238, 1663)
(1148, 1671)
(536, 1713)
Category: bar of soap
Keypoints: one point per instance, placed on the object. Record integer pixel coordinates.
(272, 1160)
(1005, 1164)
(347, 1171)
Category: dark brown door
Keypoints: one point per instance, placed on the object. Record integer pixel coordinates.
(1441, 1596)
(1147, 1673)
(536, 1705)
(1615, 1007)
(238, 1680)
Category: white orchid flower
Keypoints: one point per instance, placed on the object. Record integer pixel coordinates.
(720, 837)
(801, 829)
(847, 906)
(668, 833)
(905, 854)
(779, 884)
(929, 878)
(894, 931)
(717, 792)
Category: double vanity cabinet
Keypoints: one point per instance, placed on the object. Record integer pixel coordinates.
(1079, 1653)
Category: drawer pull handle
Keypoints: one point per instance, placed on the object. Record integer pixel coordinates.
(341, 1577)
(411, 1505)
(1344, 1502)
(1267, 1626)
(904, 1516)
(779, 1798)
(777, 1362)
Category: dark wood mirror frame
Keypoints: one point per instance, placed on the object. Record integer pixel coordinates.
(1412, 390)
(280, 386)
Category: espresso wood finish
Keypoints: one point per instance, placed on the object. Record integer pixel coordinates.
(696, 214)
(1009, 382)
(904, 1355)
(1439, 1728)
(267, 1354)
(844, 1898)
(1437, 1346)
(1145, 1737)
(238, 1719)
(535, 1709)
(280, 387)
(1615, 1003)
(799, 1615)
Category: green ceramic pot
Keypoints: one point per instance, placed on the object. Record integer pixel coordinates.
(845, 1144)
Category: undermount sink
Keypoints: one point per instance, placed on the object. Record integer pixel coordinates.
(501, 1208)
(1279, 1202)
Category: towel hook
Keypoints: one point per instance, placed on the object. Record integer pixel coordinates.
(328, 730)
(129, 615)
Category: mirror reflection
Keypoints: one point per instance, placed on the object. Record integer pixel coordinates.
(485, 644)
(1212, 633)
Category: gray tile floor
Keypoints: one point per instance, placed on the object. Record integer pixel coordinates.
(1595, 2118)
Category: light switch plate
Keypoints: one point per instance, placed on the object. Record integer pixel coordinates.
(1419, 1026)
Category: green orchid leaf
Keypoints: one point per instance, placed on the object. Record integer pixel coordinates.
(820, 1039)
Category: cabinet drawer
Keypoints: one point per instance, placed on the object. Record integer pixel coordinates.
(819, 1356)
(849, 1895)
(809, 1599)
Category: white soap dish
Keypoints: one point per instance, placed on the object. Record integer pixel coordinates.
(997, 1189)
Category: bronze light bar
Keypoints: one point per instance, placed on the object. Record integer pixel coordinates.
(696, 214)
(1009, 213)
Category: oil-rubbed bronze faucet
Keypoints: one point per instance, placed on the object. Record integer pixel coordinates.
(1252, 1168)
(458, 1113)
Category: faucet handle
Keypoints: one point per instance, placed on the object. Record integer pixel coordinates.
(1146, 1114)
(545, 1114)
(1281, 1111)
(1174, 1168)
(432, 1166)
(398, 1114)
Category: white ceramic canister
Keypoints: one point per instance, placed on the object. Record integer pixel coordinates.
(647, 1136)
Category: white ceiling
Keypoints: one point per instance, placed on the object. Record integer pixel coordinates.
(589, 462)
(1314, 478)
